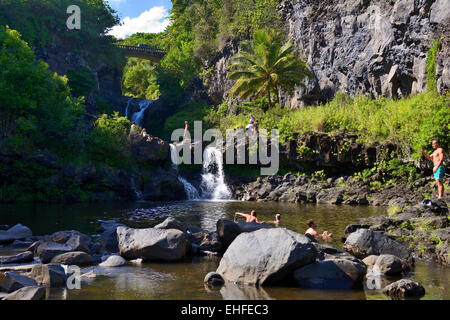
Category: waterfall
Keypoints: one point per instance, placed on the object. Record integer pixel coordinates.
(213, 183)
(191, 191)
(139, 195)
(138, 117)
(128, 108)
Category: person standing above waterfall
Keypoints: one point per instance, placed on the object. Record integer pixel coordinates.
(248, 217)
(439, 169)
(186, 129)
(250, 124)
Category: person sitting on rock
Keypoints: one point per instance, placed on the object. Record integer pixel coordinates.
(312, 234)
(249, 217)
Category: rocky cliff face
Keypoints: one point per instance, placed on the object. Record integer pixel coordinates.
(377, 47)
(107, 78)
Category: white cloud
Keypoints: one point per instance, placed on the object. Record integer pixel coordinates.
(153, 20)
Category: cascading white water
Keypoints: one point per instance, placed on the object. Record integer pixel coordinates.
(138, 117)
(191, 191)
(127, 109)
(213, 183)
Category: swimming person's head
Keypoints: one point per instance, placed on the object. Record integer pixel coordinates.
(278, 216)
(253, 213)
(310, 223)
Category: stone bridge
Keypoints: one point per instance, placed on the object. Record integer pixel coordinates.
(143, 52)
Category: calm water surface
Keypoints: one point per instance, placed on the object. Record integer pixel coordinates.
(185, 280)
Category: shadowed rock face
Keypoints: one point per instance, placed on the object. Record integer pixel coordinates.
(374, 47)
(266, 256)
(331, 274)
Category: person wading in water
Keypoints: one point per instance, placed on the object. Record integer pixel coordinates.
(439, 169)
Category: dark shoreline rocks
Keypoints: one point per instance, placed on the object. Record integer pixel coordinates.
(423, 229)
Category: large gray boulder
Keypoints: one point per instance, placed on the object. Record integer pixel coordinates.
(152, 244)
(364, 242)
(266, 256)
(27, 293)
(78, 258)
(18, 232)
(404, 288)
(331, 274)
(22, 257)
(47, 250)
(48, 275)
(14, 281)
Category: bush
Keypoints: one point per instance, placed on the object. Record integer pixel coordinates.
(107, 142)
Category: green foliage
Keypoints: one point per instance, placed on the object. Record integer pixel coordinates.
(189, 112)
(81, 81)
(410, 122)
(107, 142)
(430, 63)
(407, 225)
(264, 67)
(318, 175)
(43, 23)
(36, 108)
(140, 80)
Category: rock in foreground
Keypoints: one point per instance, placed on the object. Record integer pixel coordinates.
(266, 256)
(152, 244)
(22, 257)
(14, 281)
(331, 274)
(404, 288)
(27, 293)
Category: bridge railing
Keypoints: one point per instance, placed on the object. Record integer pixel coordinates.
(145, 50)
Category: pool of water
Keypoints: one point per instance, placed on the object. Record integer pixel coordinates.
(184, 280)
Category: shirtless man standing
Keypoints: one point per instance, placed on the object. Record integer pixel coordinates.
(439, 170)
(249, 217)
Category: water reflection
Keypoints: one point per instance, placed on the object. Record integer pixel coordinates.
(184, 280)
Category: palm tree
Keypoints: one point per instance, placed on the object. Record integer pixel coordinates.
(264, 67)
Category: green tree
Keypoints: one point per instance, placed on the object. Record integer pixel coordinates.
(265, 66)
(36, 108)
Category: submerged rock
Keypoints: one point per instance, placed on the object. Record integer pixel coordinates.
(331, 274)
(404, 288)
(214, 279)
(266, 256)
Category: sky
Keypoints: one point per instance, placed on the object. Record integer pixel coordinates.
(149, 16)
